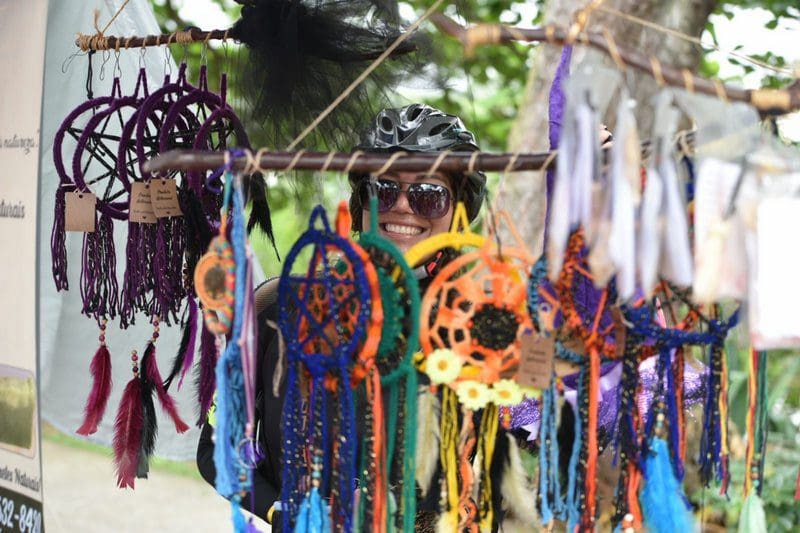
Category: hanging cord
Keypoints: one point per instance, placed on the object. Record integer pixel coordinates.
(350, 88)
(695, 40)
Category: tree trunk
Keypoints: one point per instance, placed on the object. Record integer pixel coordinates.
(525, 191)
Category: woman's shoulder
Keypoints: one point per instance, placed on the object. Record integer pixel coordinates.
(266, 299)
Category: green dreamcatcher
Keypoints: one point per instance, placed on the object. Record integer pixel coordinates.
(395, 359)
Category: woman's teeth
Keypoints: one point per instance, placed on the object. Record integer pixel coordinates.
(403, 230)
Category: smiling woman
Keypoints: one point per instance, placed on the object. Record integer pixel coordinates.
(411, 206)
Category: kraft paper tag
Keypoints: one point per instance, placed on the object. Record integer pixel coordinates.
(165, 198)
(79, 211)
(141, 206)
(536, 361)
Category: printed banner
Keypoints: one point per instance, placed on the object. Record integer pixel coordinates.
(22, 44)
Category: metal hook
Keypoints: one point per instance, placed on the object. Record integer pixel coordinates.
(117, 67)
(68, 61)
(167, 61)
(204, 54)
(106, 58)
(142, 52)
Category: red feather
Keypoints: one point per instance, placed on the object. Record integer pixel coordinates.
(128, 433)
(167, 403)
(101, 389)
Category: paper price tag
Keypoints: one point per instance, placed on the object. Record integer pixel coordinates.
(164, 194)
(536, 361)
(79, 212)
(141, 206)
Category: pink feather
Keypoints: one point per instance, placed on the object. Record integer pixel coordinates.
(101, 388)
(167, 403)
(128, 433)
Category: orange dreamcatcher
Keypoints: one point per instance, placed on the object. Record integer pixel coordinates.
(473, 318)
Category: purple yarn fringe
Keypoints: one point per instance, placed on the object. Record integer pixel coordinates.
(58, 243)
(99, 289)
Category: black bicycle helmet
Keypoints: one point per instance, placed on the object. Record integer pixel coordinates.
(421, 128)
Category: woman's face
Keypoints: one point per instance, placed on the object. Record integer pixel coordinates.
(400, 224)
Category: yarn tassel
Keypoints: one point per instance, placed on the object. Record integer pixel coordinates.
(573, 487)
(99, 289)
(150, 365)
(662, 498)
(58, 242)
(409, 501)
(550, 499)
(489, 497)
(128, 430)
(206, 373)
(447, 456)
(101, 389)
(590, 476)
(149, 422)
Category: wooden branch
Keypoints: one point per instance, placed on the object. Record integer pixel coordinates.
(371, 162)
(767, 101)
(193, 35)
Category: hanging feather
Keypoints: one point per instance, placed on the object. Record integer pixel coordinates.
(650, 230)
(663, 501)
(198, 230)
(518, 491)
(256, 189)
(187, 346)
(558, 227)
(314, 515)
(428, 437)
(676, 254)
(101, 387)
(206, 373)
(752, 518)
(167, 403)
(625, 186)
(128, 430)
(149, 422)
(555, 109)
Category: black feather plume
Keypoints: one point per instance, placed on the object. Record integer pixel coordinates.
(302, 54)
(259, 208)
(177, 362)
(198, 230)
(149, 422)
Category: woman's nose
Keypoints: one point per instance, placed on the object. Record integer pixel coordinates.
(401, 205)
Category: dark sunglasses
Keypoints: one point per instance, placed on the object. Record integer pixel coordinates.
(428, 200)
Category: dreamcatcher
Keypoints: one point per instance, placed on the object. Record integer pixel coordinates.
(399, 339)
(371, 502)
(93, 169)
(323, 317)
(230, 310)
(473, 321)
